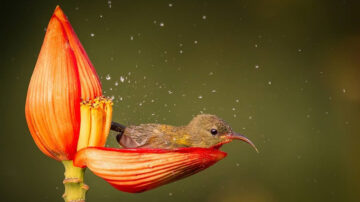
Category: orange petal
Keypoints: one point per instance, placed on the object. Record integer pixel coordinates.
(138, 170)
(90, 83)
(53, 101)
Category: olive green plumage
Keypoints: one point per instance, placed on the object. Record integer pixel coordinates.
(204, 130)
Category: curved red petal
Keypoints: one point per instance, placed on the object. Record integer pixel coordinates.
(53, 100)
(138, 170)
(89, 80)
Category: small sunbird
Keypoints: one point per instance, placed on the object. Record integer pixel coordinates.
(204, 130)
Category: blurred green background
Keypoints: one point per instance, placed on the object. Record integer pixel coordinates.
(284, 73)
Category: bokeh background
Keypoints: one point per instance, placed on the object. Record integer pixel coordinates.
(284, 73)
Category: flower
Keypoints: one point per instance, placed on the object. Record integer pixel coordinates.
(63, 76)
(138, 170)
(69, 120)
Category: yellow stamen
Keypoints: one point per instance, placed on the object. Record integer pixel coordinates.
(85, 125)
(95, 122)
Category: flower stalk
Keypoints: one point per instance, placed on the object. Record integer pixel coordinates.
(75, 188)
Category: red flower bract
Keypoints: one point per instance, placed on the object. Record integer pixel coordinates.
(138, 170)
(62, 76)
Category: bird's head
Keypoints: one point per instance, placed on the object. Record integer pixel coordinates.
(209, 130)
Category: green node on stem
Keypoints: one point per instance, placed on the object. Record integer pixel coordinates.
(75, 189)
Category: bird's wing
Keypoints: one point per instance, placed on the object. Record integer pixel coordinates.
(136, 136)
(128, 142)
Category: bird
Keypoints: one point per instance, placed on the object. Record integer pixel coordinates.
(204, 130)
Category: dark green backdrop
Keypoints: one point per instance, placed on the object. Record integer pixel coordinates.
(285, 73)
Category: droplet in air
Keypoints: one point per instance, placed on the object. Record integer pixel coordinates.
(204, 17)
(122, 79)
(181, 51)
(92, 34)
(200, 96)
(250, 117)
(233, 109)
(170, 4)
(344, 90)
(269, 82)
(170, 92)
(131, 38)
(162, 24)
(213, 91)
(256, 66)
(108, 77)
(116, 83)
(195, 42)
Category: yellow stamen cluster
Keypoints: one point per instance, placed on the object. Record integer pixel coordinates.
(95, 122)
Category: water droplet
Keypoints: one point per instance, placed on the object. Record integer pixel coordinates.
(237, 100)
(211, 73)
(181, 51)
(234, 115)
(131, 38)
(116, 83)
(213, 91)
(170, 4)
(101, 16)
(344, 90)
(108, 77)
(233, 109)
(109, 3)
(170, 194)
(122, 79)
(250, 117)
(170, 92)
(200, 96)
(307, 115)
(256, 66)
(162, 24)
(299, 50)
(256, 46)
(92, 34)
(269, 82)
(237, 164)
(195, 42)
(204, 17)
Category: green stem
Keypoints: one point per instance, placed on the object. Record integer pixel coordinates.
(75, 189)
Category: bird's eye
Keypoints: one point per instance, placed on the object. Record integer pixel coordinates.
(213, 131)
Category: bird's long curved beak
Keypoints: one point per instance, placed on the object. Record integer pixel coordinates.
(236, 136)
